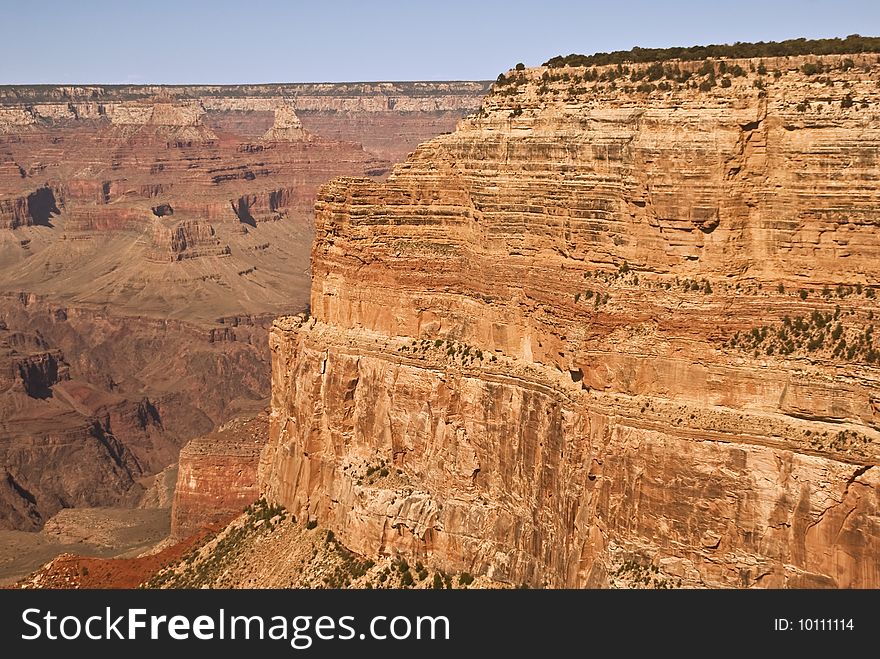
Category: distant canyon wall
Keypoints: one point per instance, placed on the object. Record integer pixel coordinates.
(148, 235)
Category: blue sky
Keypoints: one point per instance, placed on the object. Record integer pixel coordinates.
(180, 41)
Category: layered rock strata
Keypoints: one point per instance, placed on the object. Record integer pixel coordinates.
(613, 325)
(217, 476)
(146, 237)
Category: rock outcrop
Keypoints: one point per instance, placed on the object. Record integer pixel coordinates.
(615, 321)
(286, 126)
(29, 209)
(217, 476)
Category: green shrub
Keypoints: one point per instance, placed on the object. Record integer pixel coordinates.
(655, 71)
(465, 579)
(706, 69)
(312, 524)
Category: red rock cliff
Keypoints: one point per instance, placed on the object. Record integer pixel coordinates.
(217, 477)
(603, 325)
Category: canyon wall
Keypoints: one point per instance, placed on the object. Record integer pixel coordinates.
(148, 235)
(217, 476)
(619, 323)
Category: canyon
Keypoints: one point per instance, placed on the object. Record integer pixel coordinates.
(616, 329)
(149, 235)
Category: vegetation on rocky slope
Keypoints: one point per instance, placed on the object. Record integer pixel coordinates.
(269, 548)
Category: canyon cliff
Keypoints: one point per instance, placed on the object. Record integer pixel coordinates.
(148, 237)
(217, 475)
(617, 324)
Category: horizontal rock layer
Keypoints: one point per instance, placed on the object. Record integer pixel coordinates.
(217, 476)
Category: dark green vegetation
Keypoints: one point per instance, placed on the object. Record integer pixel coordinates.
(850, 45)
(640, 575)
(461, 352)
(350, 565)
(400, 574)
(827, 334)
(648, 77)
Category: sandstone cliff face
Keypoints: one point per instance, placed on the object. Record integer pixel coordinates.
(602, 326)
(217, 477)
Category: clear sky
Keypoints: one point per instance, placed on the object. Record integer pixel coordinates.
(220, 41)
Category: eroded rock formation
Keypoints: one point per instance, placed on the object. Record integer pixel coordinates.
(604, 325)
(147, 238)
(217, 476)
